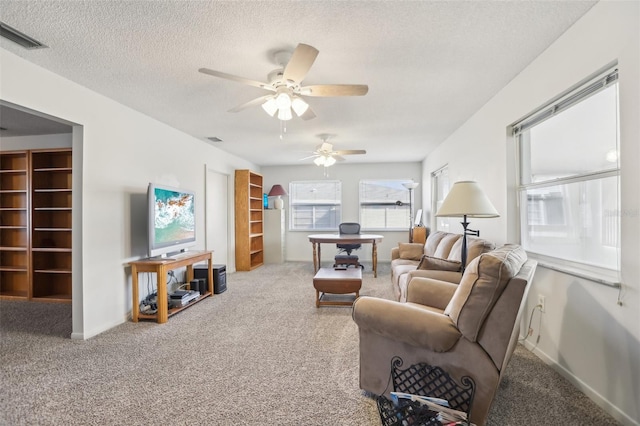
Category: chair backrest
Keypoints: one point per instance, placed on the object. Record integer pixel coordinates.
(487, 306)
(349, 228)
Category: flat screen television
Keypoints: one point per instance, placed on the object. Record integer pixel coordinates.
(172, 221)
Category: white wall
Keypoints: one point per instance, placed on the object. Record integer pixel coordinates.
(584, 333)
(15, 143)
(121, 152)
(298, 247)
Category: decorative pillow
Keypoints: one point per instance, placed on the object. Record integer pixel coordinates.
(410, 251)
(429, 262)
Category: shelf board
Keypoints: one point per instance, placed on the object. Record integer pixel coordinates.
(13, 294)
(255, 251)
(51, 229)
(173, 311)
(40, 209)
(13, 171)
(52, 271)
(53, 169)
(12, 227)
(13, 248)
(59, 297)
(13, 191)
(49, 190)
(14, 209)
(10, 268)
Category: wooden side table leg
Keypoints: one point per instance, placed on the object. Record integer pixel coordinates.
(374, 256)
(319, 257)
(315, 258)
(163, 302)
(210, 274)
(135, 309)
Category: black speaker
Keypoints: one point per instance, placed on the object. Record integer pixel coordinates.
(219, 277)
(195, 285)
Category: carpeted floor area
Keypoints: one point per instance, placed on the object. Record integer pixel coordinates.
(259, 354)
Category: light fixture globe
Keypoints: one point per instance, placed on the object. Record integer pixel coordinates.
(299, 106)
(283, 101)
(270, 106)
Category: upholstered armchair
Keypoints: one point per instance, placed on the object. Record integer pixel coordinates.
(469, 329)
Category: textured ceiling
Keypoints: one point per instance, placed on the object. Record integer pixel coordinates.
(429, 65)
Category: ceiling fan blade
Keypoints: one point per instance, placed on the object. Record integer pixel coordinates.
(311, 156)
(351, 152)
(338, 158)
(254, 102)
(329, 90)
(308, 114)
(237, 79)
(300, 63)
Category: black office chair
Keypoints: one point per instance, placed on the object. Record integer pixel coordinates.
(351, 228)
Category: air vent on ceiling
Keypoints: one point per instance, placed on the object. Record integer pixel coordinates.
(214, 139)
(20, 38)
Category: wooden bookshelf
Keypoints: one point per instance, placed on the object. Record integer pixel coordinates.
(249, 219)
(35, 224)
(14, 225)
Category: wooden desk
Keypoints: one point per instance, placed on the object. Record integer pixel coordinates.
(318, 239)
(161, 266)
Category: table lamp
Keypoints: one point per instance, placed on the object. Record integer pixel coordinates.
(466, 199)
(277, 191)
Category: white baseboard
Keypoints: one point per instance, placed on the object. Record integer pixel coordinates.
(601, 401)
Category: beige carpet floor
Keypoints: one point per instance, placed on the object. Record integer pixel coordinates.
(259, 354)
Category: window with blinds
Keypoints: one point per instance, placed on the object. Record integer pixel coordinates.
(384, 205)
(569, 175)
(315, 205)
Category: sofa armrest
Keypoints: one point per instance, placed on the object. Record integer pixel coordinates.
(395, 253)
(406, 323)
(430, 292)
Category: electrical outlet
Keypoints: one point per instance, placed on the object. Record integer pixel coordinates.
(541, 303)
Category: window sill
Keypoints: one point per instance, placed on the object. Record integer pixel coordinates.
(596, 274)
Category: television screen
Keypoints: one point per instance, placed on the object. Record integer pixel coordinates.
(172, 225)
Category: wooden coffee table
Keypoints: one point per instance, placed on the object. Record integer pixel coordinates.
(337, 281)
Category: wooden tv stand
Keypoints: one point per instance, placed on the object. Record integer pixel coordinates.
(161, 267)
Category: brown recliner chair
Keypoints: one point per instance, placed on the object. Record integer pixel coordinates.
(469, 329)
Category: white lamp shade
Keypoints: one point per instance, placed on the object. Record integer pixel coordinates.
(410, 185)
(270, 106)
(319, 161)
(467, 199)
(299, 106)
(284, 114)
(330, 161)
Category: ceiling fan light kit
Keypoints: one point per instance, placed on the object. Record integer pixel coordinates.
(286, 83)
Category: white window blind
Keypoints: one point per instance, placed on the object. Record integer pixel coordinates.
(569, 176)
(384, 205)
(315, 205)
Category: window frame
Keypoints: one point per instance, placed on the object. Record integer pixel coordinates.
(578, 93)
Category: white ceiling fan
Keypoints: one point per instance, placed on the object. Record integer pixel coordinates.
(286, 85)
(324, 155)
